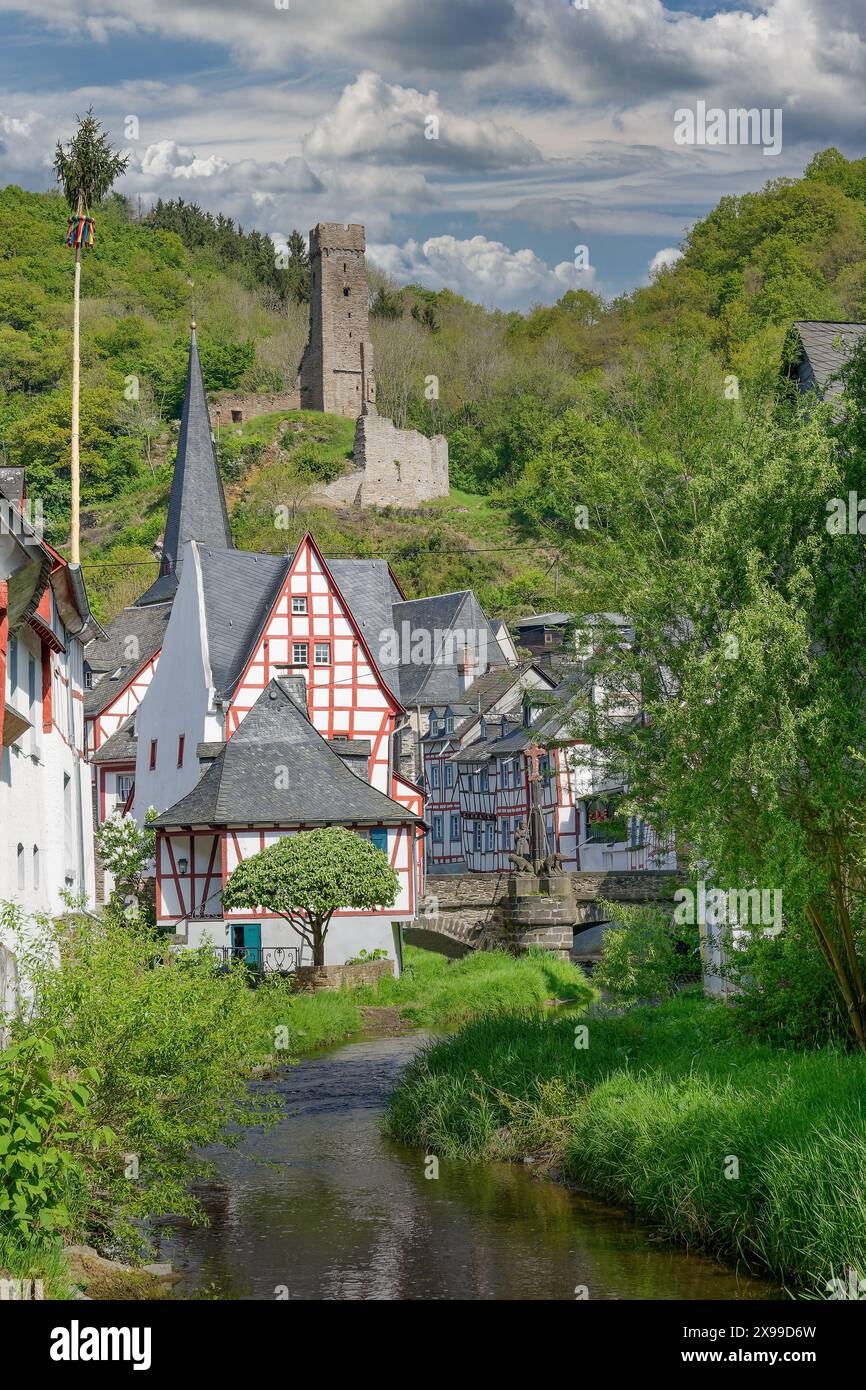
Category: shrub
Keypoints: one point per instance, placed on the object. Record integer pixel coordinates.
(648, 955)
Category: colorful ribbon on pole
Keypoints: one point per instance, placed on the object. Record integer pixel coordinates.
(79, 231)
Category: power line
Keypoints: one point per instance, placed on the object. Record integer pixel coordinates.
(348, 555)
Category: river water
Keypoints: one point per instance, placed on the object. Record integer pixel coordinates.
(323, 1207)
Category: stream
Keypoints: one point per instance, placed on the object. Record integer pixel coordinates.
(330, 1209)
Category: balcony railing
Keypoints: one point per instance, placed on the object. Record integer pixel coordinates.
(261, 960)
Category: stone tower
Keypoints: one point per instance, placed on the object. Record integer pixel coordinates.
(337, 367)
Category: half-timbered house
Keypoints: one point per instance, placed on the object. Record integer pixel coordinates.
(454, 726)
(277, 775)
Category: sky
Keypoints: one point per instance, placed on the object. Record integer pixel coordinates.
(481, 142)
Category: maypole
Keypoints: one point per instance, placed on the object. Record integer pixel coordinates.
(86, 169)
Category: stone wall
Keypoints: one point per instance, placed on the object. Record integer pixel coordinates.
(336, 977)
(393, 468)
(263, 403)
(473, 911)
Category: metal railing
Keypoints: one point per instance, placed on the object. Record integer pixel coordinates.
(261, 960)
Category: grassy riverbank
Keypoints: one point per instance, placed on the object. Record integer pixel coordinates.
(440, 993)
(750, 1153)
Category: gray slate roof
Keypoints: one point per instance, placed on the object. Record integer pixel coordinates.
(241, 587)
(110, 653)
(545, 727)
(439, 681)
(545, 620)
(826, 348)
(197, 505)
(121, 747)
(240, 787)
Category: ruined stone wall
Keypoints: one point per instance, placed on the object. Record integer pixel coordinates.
(261, 403)
(337, 372)
(402, 468)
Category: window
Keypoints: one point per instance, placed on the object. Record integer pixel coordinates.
(379, 837)
(449, 724)
(437, 830)
(455, 827)
(35, 866)
(180, 743)
(300, 653)
(21, 883)
(13, 664)
(485, 780)
(476, 835)
(506, 774)
(88, 679)
(346, 291)
(323, 654)
(434, 776)
(299, 603)
(449, 774)
(31, 678)
(489, 837)
(153, 743)
(124, 787)
(506, 835)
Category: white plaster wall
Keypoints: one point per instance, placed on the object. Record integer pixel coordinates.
(177, 701)
(346, 937)
(35, 811)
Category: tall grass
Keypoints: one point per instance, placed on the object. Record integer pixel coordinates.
(441, 993)
(751, 1153)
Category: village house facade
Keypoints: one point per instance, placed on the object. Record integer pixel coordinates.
(451, 727)
(46, 830)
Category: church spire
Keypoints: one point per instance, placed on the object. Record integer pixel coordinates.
(197, 506)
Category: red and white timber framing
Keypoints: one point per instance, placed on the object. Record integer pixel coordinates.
(213, 855)
(348, 697)
(125, 703)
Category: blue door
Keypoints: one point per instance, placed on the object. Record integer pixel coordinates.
(380, 839)
(247, 943)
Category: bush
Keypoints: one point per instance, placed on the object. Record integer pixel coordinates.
(785, 991)
(647, 956)
(168, 1042)
(43, 1122)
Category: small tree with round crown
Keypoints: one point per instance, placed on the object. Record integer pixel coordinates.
(307, 877)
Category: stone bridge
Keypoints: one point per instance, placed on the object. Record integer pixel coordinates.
(467, 912)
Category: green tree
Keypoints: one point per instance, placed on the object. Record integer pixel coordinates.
(748, 655)
(306, 878)
(85, 170)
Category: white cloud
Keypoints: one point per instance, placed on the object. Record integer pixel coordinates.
(482, 270)
(166, 157)
(664, 259)
(385, 123)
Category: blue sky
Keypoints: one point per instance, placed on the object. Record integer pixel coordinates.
(555, 123)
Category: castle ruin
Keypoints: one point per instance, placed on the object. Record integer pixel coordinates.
(337, 367)
(398, 468)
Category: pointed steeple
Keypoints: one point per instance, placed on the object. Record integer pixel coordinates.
(197, 505)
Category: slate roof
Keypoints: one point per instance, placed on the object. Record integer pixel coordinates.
(545, 620)
(369, 590)
(121, 747)
(544, 728)
(826, 347)
(110, 653)
(241, 586)
(439, 681)
(240, 787)
(197, 505)
(239, 590)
